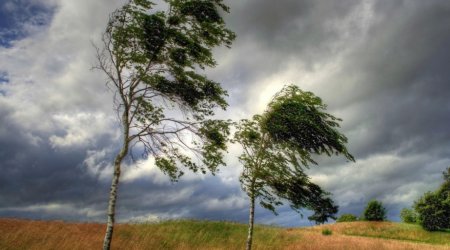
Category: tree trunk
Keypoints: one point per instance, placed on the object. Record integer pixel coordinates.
(251, 222)
(115, 183)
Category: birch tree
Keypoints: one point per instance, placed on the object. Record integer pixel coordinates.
(277, 147)
(151, 59)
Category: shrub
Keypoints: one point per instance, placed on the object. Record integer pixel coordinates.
(327, 231)
(433, 212)
(408, 215)
(375, 211)
(347, 218)
(433, 208)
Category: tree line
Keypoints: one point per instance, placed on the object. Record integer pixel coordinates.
(431, 210)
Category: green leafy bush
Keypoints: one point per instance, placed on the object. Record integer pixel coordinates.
(327, 231)
(347, 218)
(433, 212)
(408, 215)
(433, 208)
(375, 211)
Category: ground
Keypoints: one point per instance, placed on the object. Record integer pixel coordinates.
(191, 234)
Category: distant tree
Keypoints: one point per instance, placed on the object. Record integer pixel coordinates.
(347, 218)
(431, 212)
(408, 215)
(278, 145)
(433, 208)
(374, 211)
(151, 59)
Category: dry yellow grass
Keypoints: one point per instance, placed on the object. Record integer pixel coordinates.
(26, 234)
(38, 235)
(316, 241)
(390, 230)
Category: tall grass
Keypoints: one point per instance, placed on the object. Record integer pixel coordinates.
(185, 234)
(391, 230)
(191, 234)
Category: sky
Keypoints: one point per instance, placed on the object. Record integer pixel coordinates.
(380, 65)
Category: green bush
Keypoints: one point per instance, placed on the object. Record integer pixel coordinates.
(374, 211)
(408, 215)
(433, 208)
(434, 213)
(347, 218)
(327, 231)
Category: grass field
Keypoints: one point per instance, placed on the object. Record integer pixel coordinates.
(189, 234)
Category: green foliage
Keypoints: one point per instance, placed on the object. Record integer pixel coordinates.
(327, 232)
(297, 120)
(274, 161)
(268, 175)
(408, 215)
(152, 59)
(347, 218)
(431, 212)
(374, 211)
(433, 208)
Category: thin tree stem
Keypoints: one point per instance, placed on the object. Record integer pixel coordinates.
(115, 183)
(251, 222)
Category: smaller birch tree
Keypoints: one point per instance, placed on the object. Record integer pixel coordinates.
(278, 146)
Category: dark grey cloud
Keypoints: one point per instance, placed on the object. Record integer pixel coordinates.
(390, 84)
(291, 28)
(36, 174)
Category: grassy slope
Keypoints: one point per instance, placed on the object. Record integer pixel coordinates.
(380, 235)
(392, 230)
(24, 234)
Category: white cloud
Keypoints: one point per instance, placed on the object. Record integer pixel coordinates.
(49, 70)
(82, 129)
(64, 209)
(152, 217)
(228, 203)
(98, 164)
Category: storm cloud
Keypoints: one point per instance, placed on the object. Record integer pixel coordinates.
(381, 66)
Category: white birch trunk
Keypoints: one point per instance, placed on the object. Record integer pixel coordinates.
(115, 183)
(251, 222)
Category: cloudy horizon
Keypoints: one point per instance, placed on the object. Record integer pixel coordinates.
(382, 66)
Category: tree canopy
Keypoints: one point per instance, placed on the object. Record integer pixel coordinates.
(375, 211)
(277, 147)
(433, 208)
(151, 60)
(296, 120)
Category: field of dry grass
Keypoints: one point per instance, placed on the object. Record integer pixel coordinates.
(370, 235)
(26, 234)
(390, 230)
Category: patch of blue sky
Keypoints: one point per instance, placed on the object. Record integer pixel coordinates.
(16, 16)
(4, 79)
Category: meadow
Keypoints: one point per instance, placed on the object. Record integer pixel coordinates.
(193, 234)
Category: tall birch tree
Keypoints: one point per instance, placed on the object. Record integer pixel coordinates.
(277, 147)
(151, 59)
